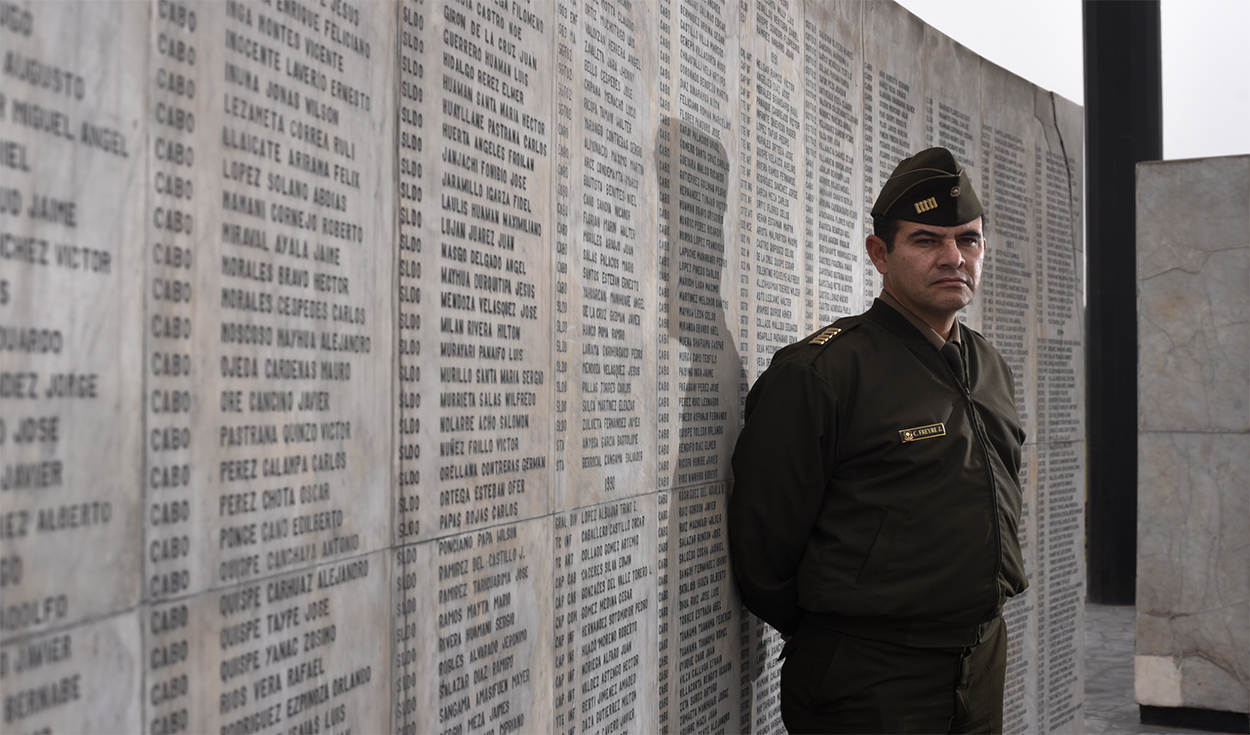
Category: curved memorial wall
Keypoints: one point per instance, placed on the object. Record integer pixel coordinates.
(375, 366)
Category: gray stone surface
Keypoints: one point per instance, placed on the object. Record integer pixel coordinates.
(606, 330)
(277, 123)
(454, 456)
(477, 652)
(833, 80)
(1031, 310)
(73, 175)
(298, 651)
(83, 678)
(475, 260)
(1193, 589)
(1109, 700)
(1193, 295)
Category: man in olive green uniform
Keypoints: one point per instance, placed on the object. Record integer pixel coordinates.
(876, 487)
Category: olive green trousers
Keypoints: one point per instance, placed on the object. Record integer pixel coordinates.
(833, 682)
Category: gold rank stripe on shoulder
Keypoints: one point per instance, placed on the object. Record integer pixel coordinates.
(922, 432)
(825, 336)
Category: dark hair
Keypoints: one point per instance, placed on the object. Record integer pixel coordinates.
(887, 228)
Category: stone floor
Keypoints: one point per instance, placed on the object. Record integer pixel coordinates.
(1109, 704)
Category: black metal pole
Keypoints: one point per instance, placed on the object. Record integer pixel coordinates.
(1123, 125)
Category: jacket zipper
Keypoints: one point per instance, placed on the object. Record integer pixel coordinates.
(965, 387)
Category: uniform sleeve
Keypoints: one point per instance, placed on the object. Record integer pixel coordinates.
(780, 470)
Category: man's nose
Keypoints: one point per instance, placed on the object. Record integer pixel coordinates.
(950, 256)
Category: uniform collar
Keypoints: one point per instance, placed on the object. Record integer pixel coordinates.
(930, 334)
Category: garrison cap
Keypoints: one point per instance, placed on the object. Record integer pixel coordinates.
(929, 188)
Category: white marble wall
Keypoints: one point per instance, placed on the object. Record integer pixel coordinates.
(397, 349)
(1193, 562)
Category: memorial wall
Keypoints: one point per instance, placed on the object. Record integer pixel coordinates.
(375, 366)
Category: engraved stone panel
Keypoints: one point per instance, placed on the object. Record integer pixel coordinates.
(893, 109)
(71, 157)
(474, 269)
(700, 374)
(1028, 161)
(833, 230)
(287, 369)
(297, 653)
(611, 277)
(701, 628)
(605, 356)
(770, 245)
(1009, 296)
(271, 416)
(1060, 401)
(699, 368)
(86, 678)
(475, 653)
(604, 621)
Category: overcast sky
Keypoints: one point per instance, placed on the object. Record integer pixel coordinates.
(1206, 59)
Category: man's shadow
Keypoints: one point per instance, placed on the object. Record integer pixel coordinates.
(706, 367)
(704, 376)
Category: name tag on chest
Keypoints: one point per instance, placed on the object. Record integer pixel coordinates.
(922, 432)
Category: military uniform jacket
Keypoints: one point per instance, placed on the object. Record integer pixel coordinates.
(869, 482)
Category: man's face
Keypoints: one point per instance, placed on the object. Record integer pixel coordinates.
(933, 271)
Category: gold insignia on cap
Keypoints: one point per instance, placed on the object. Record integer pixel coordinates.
(926, 205)
(955, 192)
(922, 432)
(825, 336)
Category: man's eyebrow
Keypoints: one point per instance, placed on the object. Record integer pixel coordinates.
(934, 234)
(917, 234)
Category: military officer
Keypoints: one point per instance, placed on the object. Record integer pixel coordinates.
(876, 486)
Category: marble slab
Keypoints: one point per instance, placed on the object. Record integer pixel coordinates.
(475, 655)
(71, 163)
(606, 646)
(893, 107)
(700, 646)
(773, 311)
(84, 678)
(475, 328)
(834, 189)
(298, 653)
(1193, 575)
(285, 440)
(1193, 340)
(611, 276)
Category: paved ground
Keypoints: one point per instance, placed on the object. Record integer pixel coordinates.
(1109, 704)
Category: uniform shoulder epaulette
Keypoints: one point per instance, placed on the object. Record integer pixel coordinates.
(826, 335)
(808, 348)
(833, 331)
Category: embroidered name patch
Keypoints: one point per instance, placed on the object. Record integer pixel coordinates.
(922, 432)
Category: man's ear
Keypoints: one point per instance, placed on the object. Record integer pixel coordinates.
(877, 251)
